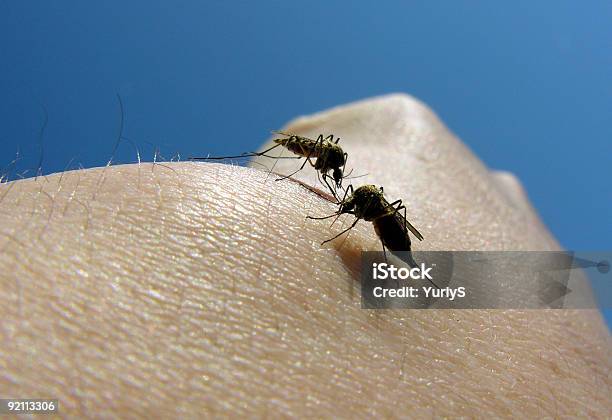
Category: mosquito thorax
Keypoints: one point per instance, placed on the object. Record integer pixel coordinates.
(347, 205)
(368, 201)
(367, 192)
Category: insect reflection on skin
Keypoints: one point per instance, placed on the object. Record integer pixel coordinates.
(368, 203)
(329, 156)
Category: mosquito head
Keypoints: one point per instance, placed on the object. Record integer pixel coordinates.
(338, 177)
(346, 207)
(348, 203)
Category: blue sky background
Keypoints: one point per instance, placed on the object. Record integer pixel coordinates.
(527, 85)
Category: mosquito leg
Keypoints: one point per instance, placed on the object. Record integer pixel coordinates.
(323, 180)
(322, 218)
(407, 225)
(387, 209)
(250, 154)
(319, 139)
(329, 187)
(402, 207)
(267, 150)
(273, 166)
(337, 214)
(387, 261)
(308, 152)
(384, 251)
(341, 233)
(335, 220)
(407, 243)
(276, 157)
(399, 207)
(350, 187)
(293, 173)
(340, 214)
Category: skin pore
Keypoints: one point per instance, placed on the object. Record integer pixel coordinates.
(202, 289)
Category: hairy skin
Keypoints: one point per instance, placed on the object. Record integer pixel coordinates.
(202, 289)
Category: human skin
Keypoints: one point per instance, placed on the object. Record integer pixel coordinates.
(202, 289)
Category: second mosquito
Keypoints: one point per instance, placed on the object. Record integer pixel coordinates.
(389, 219)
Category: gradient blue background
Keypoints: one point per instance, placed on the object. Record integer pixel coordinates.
(527, 85)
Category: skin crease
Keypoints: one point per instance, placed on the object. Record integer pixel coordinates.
(201, 289)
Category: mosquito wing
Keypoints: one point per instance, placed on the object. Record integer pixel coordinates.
(414, 231)
(284, 133)
(411, 228)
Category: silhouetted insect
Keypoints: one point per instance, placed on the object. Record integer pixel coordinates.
(368, 203)
(329, 156)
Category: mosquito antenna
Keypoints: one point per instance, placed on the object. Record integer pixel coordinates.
(356, 176)
(323, 218)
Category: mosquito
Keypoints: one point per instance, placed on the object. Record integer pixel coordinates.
(329, 156)
(368, 202)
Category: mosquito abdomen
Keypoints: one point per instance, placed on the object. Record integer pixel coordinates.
(391, 232)
(395, 238)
